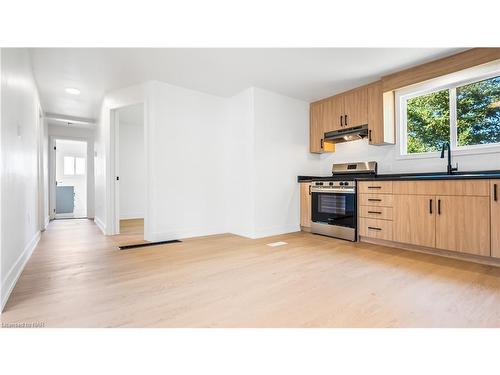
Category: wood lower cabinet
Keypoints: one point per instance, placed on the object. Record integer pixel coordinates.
(375, 228)
(495, 218)
(463, 224)
(414, 219)
(305, 205)
(461, 216)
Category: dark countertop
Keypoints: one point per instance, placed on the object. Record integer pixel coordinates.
(415, 176)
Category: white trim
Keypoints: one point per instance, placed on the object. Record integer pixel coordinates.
(448, 82)
(276, 230)
(17, 268)
(131, 215)
(114, 198)
(100, 225)
(184, 233)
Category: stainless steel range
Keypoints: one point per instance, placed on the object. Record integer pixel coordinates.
(334, 200)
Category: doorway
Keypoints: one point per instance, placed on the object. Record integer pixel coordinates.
(70, 179)
(130, 171)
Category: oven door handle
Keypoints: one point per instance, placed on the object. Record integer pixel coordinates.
(334, 191)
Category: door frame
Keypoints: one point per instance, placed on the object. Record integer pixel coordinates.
(52, 170)
(114, 201)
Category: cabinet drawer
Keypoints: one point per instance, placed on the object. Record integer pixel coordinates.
(384, 200)
(381, 229)
(375, 212)
(375, 187)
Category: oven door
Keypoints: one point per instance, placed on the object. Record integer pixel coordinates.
(334, 207)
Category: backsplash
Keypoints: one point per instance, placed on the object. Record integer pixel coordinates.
(389, 161)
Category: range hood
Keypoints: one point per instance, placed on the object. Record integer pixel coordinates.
(346, 135)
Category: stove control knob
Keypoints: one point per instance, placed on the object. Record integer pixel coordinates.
(342, 183)
(331, 183)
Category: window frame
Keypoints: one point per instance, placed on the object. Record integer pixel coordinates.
(74, 166)
(449, 82)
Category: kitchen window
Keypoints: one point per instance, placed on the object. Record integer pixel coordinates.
(462, 108)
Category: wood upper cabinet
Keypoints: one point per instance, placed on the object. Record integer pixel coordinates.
(463, 224)
(316, 127)
(414, 220)
(319, 117)
(335, 110)
(305, 204)
(366, 105)
(355, 107)
(381, 123)
(495, 218)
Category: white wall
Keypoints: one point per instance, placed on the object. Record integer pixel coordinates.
(20, 230)
(104, 173)
(187, 162)
(240, 164)
(86, 134)
(219, 164)
(132, 165)
(281, 153)
(389, 162)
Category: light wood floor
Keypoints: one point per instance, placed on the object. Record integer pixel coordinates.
(77, 278)
(131, 232)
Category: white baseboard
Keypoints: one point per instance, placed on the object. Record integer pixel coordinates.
(128, 216)
(199, 232)
(276, 230)
(184, 233)
(100, 225)
(47, 221)
(15, 271)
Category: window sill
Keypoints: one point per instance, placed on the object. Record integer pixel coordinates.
(461, 152)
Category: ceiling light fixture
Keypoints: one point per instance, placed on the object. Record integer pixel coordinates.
(73, 91)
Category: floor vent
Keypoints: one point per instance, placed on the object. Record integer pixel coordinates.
(135, 246)
(279, 243)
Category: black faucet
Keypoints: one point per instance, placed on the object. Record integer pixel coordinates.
(449, 168)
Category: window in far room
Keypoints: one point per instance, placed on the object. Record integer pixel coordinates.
(74, 166)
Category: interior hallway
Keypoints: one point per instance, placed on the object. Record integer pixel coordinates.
(77, 278)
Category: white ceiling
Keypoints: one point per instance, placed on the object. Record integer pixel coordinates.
(302, 73)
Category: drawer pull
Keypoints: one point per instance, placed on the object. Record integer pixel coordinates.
(374, 228)
(374, 200)
(375, 212)
(374, 187)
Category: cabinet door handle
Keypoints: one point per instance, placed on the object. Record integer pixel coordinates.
(345, 120)
(374, 187)
(430, 206)
(374, 200)
(369, 135)
(495, 198)
(321, 143)
(375, 212)
(309, 189)
(374, 228)
(341, 124)
(439, 206)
